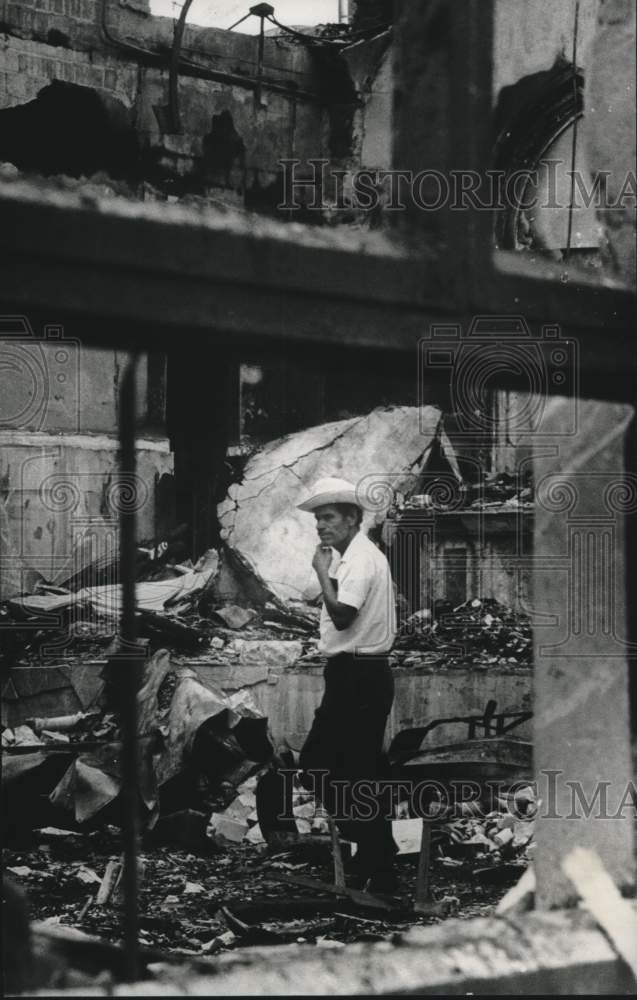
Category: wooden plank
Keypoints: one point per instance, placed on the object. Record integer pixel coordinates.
(602, 898)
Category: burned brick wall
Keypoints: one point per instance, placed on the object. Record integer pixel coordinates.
(113, 61)
(85, 92)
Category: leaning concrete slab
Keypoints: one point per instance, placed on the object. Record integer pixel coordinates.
(259, 517)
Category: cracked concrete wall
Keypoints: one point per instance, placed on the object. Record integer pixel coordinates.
(531, 35)
(56, 488)
(290, 698)
(58, 410)
(59, 386)
(378, 452)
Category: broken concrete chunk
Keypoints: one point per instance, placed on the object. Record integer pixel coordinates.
(224, 830)
(88, 876)
(254, 835)
(233, 616)
(259, 517)
(238, 810)
(170, 902)
(193, 889)
(408, 834)
(24, 736)
(305, 810)
(503, 837)
(247, 798)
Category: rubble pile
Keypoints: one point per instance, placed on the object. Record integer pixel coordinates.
(501, 491)
(479, 633)
(193, 740)
(193, 908)
(497, 492)
(488, 840)
(177, 606)
(240, 820)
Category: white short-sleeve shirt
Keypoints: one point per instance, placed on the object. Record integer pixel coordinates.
(363, 581)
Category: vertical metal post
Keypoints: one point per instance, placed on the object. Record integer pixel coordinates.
(259, 87)
(127, 668)
(173, 74)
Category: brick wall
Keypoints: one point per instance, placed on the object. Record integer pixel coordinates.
(42, 41)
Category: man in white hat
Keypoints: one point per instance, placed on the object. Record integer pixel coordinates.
(357, 628)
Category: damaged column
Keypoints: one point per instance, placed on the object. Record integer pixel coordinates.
(582, 732)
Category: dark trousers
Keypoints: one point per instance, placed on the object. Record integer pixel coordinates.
(346, 741)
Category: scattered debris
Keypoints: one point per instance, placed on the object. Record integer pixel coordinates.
(480, 633)
(186, 728)
(488, 841)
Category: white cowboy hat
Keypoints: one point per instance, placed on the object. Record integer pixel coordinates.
(330, 490)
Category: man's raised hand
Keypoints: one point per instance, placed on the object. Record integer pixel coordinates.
(322, 559)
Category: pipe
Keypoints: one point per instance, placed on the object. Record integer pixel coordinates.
(189, 68)
(260, 53)
(173, 73)
(128, 669)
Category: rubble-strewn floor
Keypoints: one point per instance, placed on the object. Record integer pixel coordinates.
(181, 894)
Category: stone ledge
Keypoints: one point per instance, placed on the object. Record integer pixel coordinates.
(561, 952)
